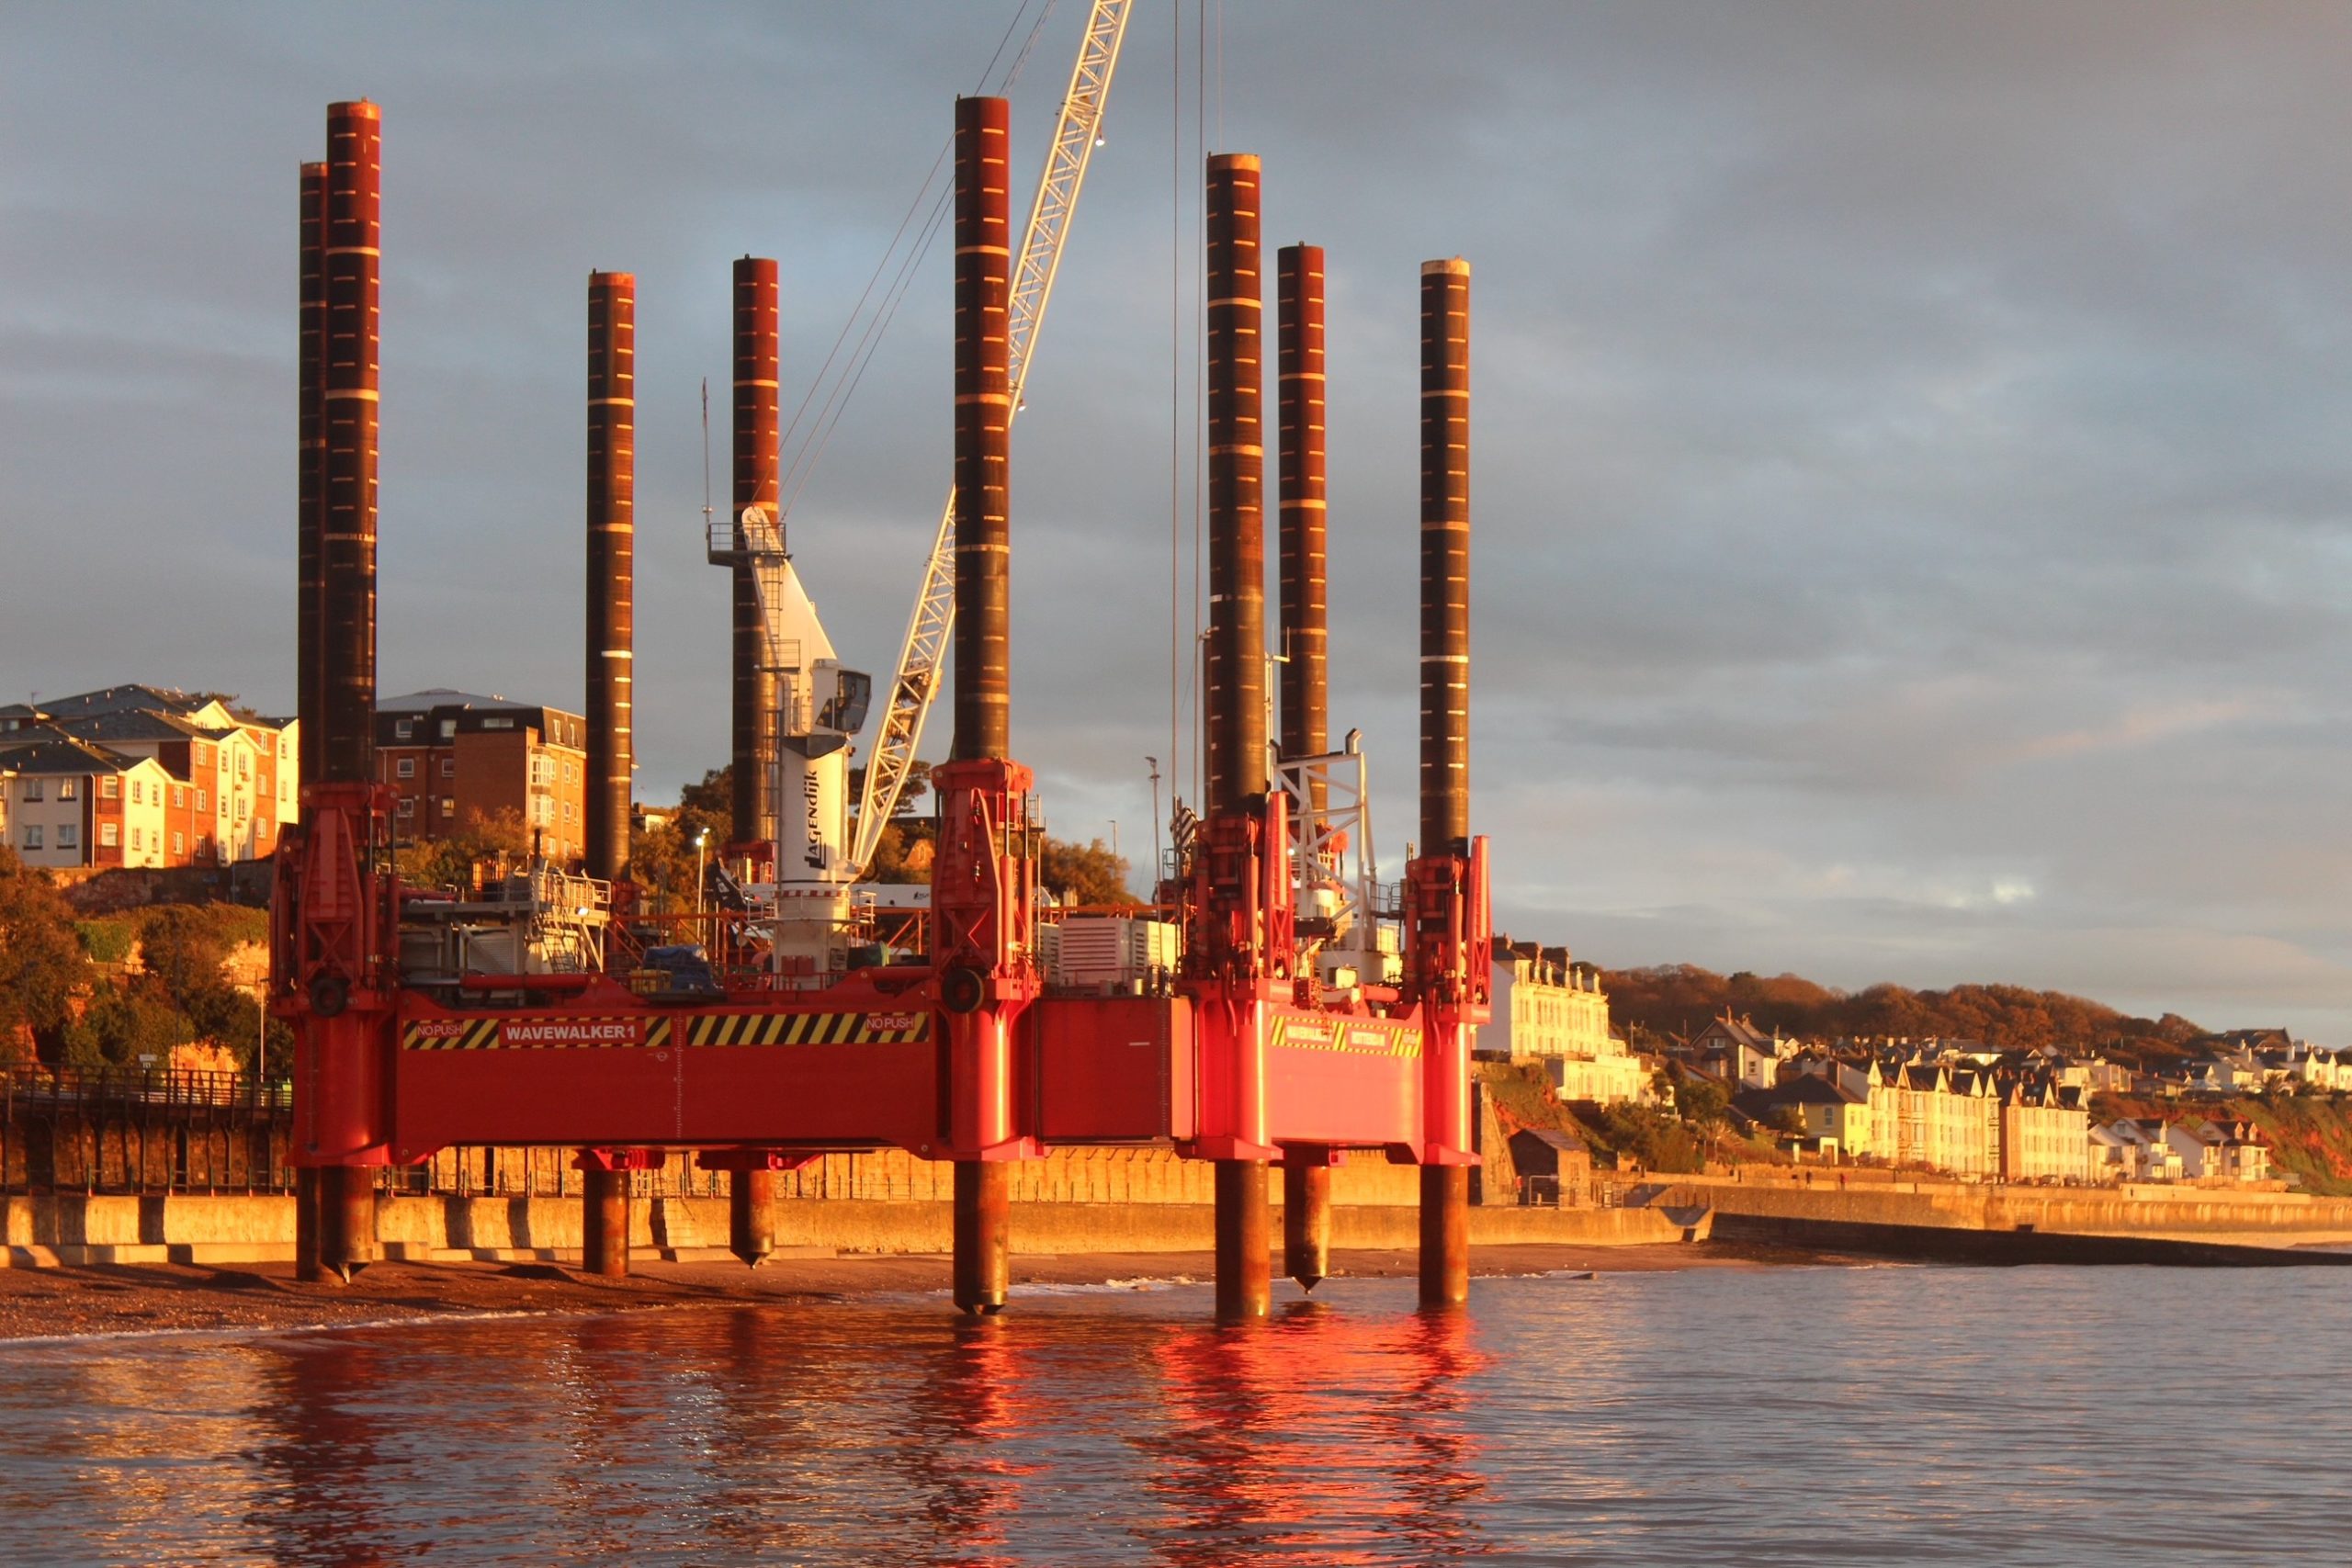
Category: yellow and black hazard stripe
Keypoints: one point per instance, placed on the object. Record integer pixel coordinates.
(490, 1034)
(809, 1029)
(1350, 1036)
(450, 1034)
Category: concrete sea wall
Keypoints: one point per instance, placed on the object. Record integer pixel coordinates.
(2188, 1212)
(230, 1230)
(1959, 1223)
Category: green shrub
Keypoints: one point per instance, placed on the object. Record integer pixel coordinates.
(123, 1024)
(107, 939)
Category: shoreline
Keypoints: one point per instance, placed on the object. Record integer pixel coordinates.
(75, 1303)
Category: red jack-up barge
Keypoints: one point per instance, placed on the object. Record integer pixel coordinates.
(1269, 1044)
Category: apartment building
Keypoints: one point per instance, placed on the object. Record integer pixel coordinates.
(1941, 1117)
(69, 805)
(231, 774)
(453, 756)
(1549, 1011)
(2045, 1133)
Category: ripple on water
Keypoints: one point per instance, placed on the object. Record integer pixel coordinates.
(1714, 1416)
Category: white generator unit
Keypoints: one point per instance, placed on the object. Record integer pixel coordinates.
(1111, 953)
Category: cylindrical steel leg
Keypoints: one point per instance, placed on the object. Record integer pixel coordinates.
(347, 1219)
(756, 453)
(1445, 557)
(311, 497)
(983, 1234)
(307, 1266)
(330, 1223)
(750, 1214)
(603, 1223)
(1307, 723)
(1445, 751)
(1233, 672)
(1244, 1254)
(612, 568)
(982, 691)
(1445, 1235)
(347, 616)
(1307, 1221)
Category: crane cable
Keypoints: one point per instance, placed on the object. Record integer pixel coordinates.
(845, 383)
(1175, 402)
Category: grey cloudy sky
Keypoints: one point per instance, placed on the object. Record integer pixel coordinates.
(1909, 468)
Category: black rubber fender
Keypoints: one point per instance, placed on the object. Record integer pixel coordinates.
(330, 994)
(962, 989)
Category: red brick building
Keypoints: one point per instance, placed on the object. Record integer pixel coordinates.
(452, 756)
(219, 785)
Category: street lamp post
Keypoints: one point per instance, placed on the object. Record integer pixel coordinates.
(702, 840)
(1152, 881)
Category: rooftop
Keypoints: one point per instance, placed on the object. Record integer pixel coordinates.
(140, 724)
(65, 755)
(138, 696)
(1567, 1143)
(433, 697)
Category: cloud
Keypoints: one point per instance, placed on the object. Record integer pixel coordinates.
(1907, 457)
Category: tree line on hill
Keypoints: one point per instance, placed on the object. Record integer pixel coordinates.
(1667, 1002)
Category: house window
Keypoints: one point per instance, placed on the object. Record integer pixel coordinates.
(137, 792)
(68, 788)
(281, 749)
(32, 835)
(179, 796)
(33, 790)
(203, 800)
(136, 838)
(449, 767)
(407, 769)
(449, 728)
(408, 806)
(109, 835)
(245, 765)
(109, 788)
(448, 806)
(569, 811)
(497, 722)
(245, 809)
(69, 836)
(179, 845)
(402, 729)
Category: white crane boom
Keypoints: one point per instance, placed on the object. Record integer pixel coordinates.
(920, 656)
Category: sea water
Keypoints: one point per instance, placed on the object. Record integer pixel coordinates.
(1713, 1415)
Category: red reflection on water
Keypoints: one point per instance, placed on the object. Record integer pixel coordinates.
(1322, 1438)
(324, 1450)
(1318, 1431)
(970, 1404)
(613, 1415)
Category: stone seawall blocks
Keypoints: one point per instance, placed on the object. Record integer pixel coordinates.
(2076, 1212)
(230, 1230)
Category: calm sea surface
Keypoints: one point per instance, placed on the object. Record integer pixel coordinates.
(1795, 1416)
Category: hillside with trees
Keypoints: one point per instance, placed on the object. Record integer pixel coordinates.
(104, 991)
(1668, 1002)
